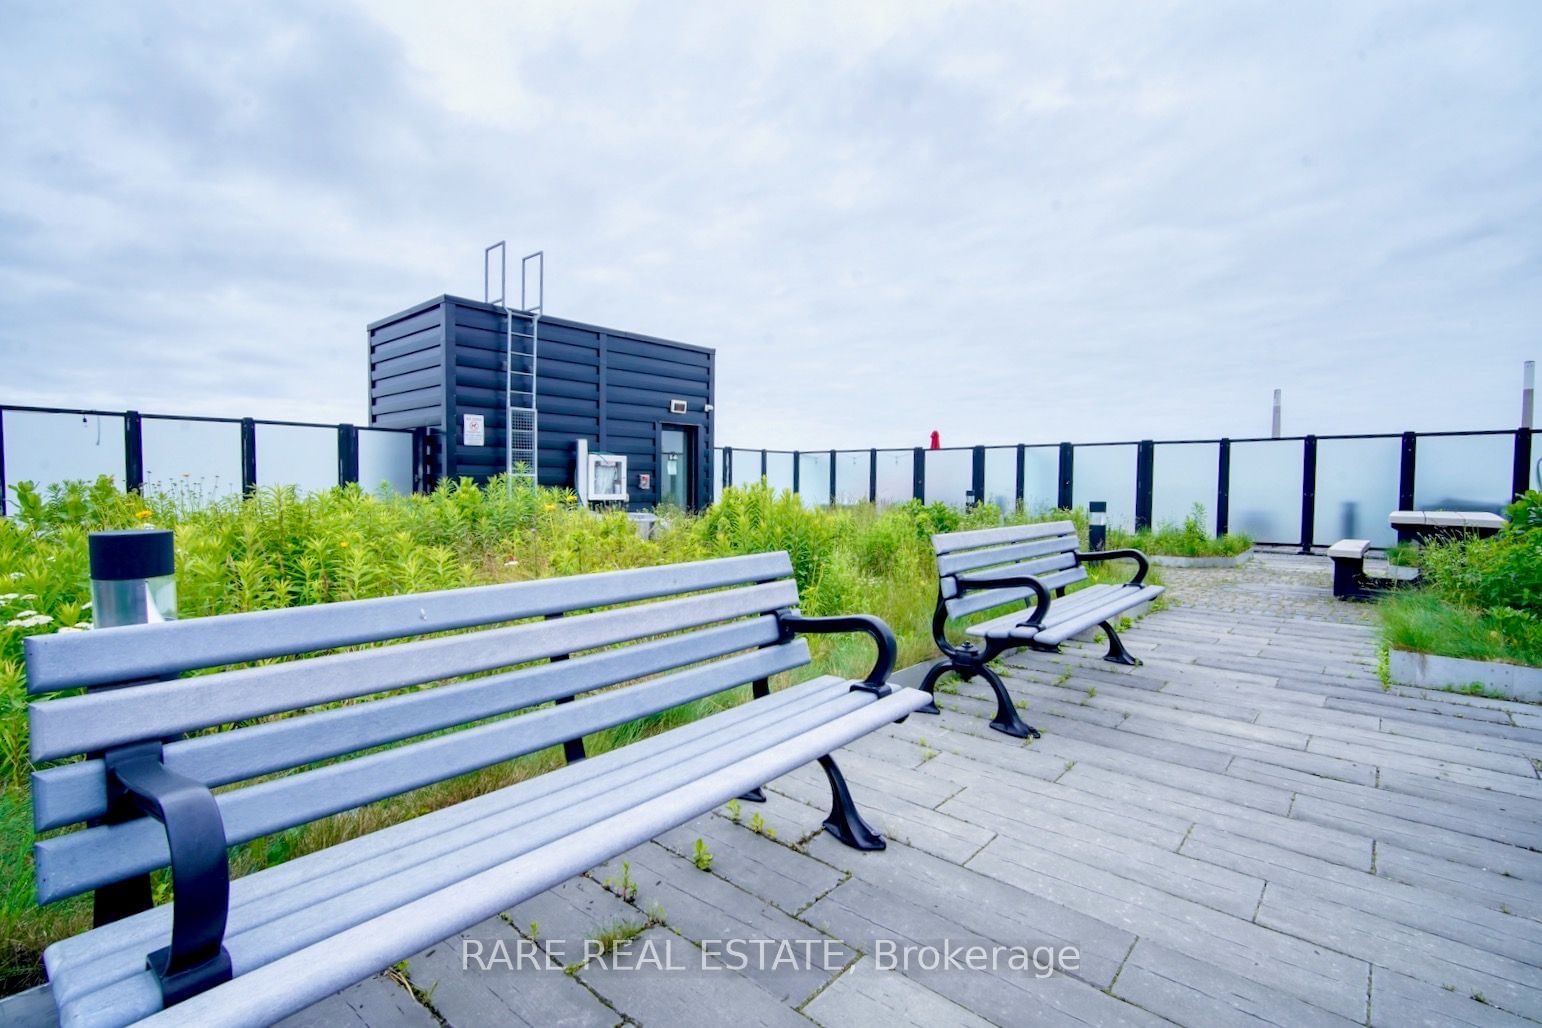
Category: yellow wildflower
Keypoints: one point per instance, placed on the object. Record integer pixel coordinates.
(551, 506)
(344, 544)
(142, 514)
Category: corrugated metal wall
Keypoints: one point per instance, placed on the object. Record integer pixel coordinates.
(610, 387)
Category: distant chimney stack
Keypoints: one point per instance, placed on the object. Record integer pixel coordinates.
(1275, 431)
(1528, 390)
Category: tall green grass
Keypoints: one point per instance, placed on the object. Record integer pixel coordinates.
(280, 549)
(1190, 539)
(1481, 598)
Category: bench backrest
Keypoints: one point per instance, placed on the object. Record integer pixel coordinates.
(452, 666)
(1045, 551)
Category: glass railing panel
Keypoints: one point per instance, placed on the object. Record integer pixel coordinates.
(1466, 472)
(1265, 493)
(896, 476)
(949, 476)
(195, 462)
(1183, 474)
(385, 460)
(1106, 473)
(1357, 483)
(814, 478)
(852, 476)
(299, 455)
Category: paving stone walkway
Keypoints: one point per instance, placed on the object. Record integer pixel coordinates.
(1248, 828)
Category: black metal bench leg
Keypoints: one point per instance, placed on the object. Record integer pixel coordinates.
(844, 822)
(755, 795)
(1117, 654)
(1006, 720)
(929, 684)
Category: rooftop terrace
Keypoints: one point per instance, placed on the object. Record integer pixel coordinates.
(1247, 827)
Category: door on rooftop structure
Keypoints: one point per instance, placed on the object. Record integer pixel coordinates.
(677, 459)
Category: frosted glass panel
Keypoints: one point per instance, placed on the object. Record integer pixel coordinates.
(896, 476)
(717, 474)
(303, 457)
(198, 461)
(1266, 490)
(1041, 478)
(47, 449)
(1106, 473)
(949, 476)
(746, 470)
(1183, 474)
(852, 472)
(779, 471)
(814, 478)
(385, 458)
(1470, 472)
(1356, 490)
(1001, 477)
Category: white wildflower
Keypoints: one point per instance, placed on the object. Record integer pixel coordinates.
(8, 597)
(34, 621)
(86, 605)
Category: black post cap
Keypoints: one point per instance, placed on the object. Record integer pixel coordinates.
(132, 553)
(1097, 506)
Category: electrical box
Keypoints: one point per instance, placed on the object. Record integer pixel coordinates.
(601, 477)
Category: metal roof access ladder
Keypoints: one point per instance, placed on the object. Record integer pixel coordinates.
(520, 417)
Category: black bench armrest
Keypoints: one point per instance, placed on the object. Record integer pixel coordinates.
(1143, 565)
(1040, 608)
(200, 870)
(877, 680)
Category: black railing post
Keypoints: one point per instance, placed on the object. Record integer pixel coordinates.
(1405, 476)
(918, 475)
(1308, 492)
(1223, 489)
(420, 459)
(797, 459)
(977, 474)
(3, 508)
(1022, 474)
(1520, 476)
(347, 454)
(728, 466)
(133, 452)
(1145, 469)
(248, 456)
(872, 475)
(1067, 459)
(763, 465)
(832, 478)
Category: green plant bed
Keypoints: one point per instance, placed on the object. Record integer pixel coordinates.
(1482, 599)
(1426, 622)
(1191, 539)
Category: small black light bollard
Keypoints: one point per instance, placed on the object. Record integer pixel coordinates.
(133, 577)
(1097, 524)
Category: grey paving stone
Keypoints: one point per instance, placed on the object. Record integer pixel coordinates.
(788, 880)
(567, 915)
(373, 1003)
(707, 909)
(688, 996)
(1189, 991)
(1489, 887)
(860, 911)
(964, 901)
(1503, 821)
(1398, 1001)
(862, 997)
(482, 984)
(1234, 746)
(1110, 820)
(1440, 842)
(1453, 918)
(1033, 830)
(1335, 982)
(1508, 984)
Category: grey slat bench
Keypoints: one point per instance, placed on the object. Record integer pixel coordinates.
(987, 568)
(255, 949)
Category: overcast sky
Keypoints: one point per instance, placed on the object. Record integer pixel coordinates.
(1016, 222)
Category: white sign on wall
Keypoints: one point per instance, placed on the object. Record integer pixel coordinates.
(474, 424)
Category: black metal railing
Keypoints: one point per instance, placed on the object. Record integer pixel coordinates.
(1305, 490)
(210, 456)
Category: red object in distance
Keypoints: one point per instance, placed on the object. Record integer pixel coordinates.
(936, 440)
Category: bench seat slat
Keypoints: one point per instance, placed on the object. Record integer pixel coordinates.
(975, 602)
(952, 542)
(266, 991)
(360, 859)
(68, 659)
(76, 792)
(96, 721)
(959, 563)
(1122, 600)
(72, 863)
